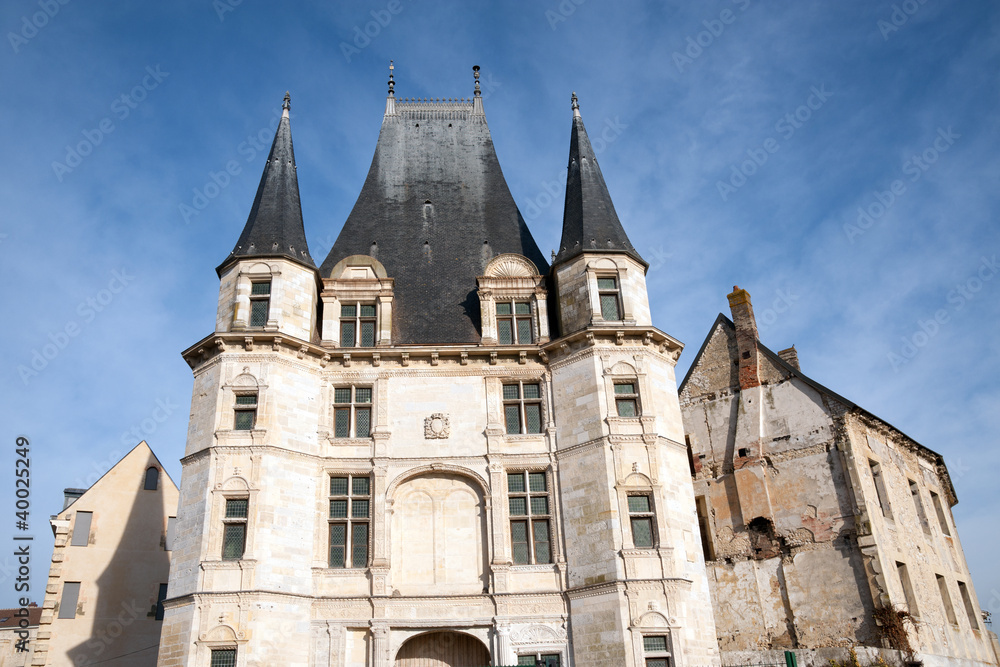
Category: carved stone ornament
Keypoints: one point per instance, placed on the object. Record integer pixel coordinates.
(437, 427)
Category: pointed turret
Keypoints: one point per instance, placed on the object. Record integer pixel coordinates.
(590, 222)
(274, 228)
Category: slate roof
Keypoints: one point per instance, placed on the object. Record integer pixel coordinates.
(434, 210)
(589, 218)
(274, 227)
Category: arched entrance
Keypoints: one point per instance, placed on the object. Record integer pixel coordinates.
(443, 649)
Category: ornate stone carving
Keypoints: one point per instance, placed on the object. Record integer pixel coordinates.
(437, 426)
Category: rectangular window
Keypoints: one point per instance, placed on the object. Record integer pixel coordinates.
(607, 289)
(939, 509)
(921, 514)
(522, 407)
(350, 514)
(970, 609)
(70, 598)
(949, 609)
(880, 491)
(627, 399)
(234, 528)
(514, 323)
(656, 650)
(260, 302)
(352, 412)
(704, 527)
(223, 657)
(530, 511)
(81, 529)
(640, 513)
(539, 659)
(246, 412)
(168, 542)
(357, 325)
(904, 580)
(160, 597)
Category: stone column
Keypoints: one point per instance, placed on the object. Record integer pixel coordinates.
(505, 650)
(380, 641)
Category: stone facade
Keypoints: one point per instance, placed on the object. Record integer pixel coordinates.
(110, 562)
(815, 514)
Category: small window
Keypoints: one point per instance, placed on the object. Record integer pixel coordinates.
(970, 609)
(70, 598)
(539, 659)
(246, 412)
(640, 512)
(919, 505)
(160, 597)
(610, 295)
(514, 323)
(81, 529)
(530, 510)
(357, 325)
(168, 542)
(656, 651)
(627, 399)
(904, 580)
(704, 527)
(223, 657)
(949, 608)
(939, 509)
(522, 407)
(350, 517)
(234, 538)
(152, 480)
(352, 412)
(880, 490)
(260, 302)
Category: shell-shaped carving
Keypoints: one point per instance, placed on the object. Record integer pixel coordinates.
(220, 633)
(245, 380)
(259, 267)
(623, 368)
(653, 619)
(637, 479)
(603, 263)
(510, 265)
(537, 634)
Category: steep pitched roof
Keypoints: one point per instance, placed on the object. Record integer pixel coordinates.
(589, 218)
(434, 210)
(274, 227)
(791, 371)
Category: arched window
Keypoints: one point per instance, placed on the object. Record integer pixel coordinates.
(152, 479)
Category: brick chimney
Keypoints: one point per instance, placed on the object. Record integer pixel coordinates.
(746, 337)
(791, 357)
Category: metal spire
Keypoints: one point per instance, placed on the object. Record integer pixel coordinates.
(475, 72)
(286, 105)
(576, 106)
(392, 83)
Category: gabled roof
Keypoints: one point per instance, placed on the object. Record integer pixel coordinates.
(589, 218)
(774, 358)
(274, 227)
(143, 445)
(434, 210)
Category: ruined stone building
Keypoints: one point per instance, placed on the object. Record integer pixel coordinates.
(816, 515)
(433, 447)
(108, 577)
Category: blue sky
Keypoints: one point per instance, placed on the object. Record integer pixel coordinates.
(838, 160)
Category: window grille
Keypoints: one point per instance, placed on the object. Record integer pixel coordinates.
(260, 303)
(610, 295)
(234, 538)
(627, 399)
(656, 650)
(640, 512)
(246, 412)
(522, 407)
(357, 325)
(530, 536)
(352, 412)
(350, 516)
(223, 657)
(514, 323)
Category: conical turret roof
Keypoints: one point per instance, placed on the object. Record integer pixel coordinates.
(274, 227)
(590, 222)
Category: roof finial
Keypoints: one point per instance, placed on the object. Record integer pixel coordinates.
(286, 105)
(475, 73)
(392, 83)
(576, 106)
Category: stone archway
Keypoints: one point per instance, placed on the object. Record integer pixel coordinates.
(442, 649)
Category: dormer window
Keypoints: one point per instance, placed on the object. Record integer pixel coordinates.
(514, 323)
(357, 325)
(610, 295)
(260, 302)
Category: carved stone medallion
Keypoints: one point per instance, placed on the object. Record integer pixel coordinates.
(436, 426)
